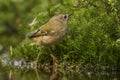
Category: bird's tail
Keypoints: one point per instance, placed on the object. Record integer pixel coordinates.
(25, 41)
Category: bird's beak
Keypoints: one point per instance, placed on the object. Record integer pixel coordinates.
(69, 15)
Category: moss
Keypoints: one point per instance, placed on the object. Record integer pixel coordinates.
(92, 36)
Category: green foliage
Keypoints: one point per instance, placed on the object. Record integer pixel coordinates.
(12, 14)
(93, 35)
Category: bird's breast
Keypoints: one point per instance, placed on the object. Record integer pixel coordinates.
(51, 39)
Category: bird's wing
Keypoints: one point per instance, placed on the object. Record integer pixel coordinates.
(47, 30)
(34, 33)
(42, 31)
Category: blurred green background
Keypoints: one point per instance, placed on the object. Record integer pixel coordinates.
(93, 36)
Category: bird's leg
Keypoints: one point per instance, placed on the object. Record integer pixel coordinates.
(36, 62)
(54, 59)
(37, 58)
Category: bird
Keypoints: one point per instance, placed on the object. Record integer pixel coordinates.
(50, 32)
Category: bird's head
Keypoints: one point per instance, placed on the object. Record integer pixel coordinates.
(63, 18)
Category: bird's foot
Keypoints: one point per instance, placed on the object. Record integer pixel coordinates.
(54, 59)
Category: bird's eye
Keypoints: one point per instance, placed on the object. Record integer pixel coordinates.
(65, 16)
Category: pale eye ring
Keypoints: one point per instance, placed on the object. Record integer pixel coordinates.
(65, 16)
